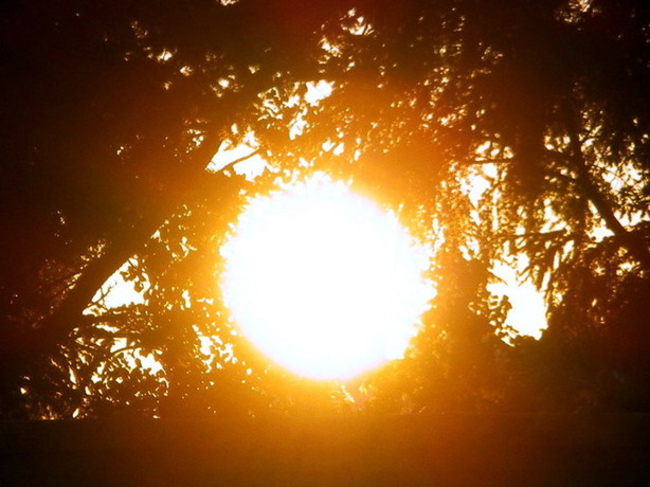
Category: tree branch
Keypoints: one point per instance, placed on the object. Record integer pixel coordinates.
(635, 247)
(43, 338)
(232, 164)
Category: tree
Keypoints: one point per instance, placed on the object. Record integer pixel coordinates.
(549, 102)
(111, 114)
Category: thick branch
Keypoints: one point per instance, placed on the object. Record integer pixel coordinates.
(44, 338)
(633, 245)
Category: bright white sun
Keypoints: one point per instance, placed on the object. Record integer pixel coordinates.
(322, 281)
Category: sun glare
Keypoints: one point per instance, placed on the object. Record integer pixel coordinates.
(322, 281)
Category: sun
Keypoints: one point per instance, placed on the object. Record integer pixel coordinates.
(324, 282)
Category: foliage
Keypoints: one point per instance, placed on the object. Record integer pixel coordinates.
(112, 112)
(549, 103)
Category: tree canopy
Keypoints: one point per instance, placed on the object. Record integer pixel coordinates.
(112, 113)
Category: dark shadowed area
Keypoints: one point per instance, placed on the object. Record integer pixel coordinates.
(431, 450)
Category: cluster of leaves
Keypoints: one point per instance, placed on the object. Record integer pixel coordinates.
(549, 102)
(112, 112)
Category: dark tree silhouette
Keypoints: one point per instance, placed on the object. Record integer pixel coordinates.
(110, 115)
(112, 111)
(549, 101)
